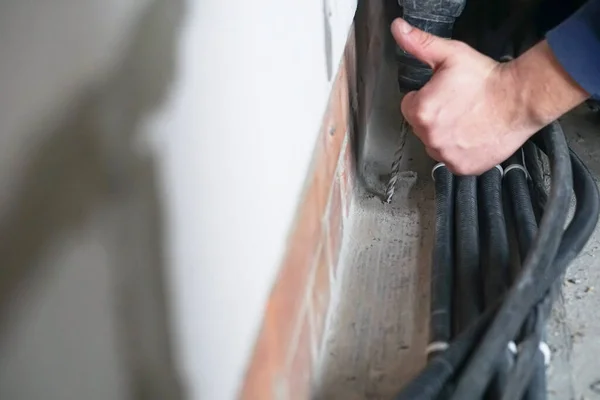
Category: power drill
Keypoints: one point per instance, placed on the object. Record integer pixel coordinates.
(436, 17)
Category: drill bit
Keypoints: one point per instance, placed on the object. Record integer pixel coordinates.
(395, 171)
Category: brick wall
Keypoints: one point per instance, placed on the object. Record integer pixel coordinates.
(291, 337)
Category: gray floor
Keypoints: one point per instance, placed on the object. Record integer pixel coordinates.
(378, 330)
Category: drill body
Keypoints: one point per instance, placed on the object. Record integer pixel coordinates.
(434, 16)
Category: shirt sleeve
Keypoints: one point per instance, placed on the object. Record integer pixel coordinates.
(576, 45)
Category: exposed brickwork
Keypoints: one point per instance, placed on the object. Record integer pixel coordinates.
(335, 227)
(347, 177)
(319, 300)
(299, 372)
(291, 336)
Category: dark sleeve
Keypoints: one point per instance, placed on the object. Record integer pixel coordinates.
(576, 45)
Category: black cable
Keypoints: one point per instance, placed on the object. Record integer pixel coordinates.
(582, 224)
(537, 187)
(522, 295)
(538, 389)
(494, 240)
(430, 382)
(442, 263)
(528, 378)
(576, 236)
(526, 229)
(522, 208)
(468, 295)
(440, 370)
(522, 373)
(537, 386)
(495, 259)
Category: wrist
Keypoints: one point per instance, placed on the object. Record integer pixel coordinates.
(542, 89)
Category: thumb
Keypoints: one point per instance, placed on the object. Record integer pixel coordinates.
(428, 48)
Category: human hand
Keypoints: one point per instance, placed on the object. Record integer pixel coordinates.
(475, 112)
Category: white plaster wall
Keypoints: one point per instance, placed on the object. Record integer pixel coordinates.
(233, 143)
(236, 141)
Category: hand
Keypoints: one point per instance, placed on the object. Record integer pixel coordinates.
(475, 112)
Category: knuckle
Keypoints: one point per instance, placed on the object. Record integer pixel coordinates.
(425, 114)
(431, 139)
(462, 168)
(426, 40)
(407, 108)
(447, 158)
(459, 46)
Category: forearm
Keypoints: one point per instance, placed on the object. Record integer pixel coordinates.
(543, 89)
(560, 72)
(576, 45)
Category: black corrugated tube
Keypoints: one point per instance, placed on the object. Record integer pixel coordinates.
(495, 259)
(442, 263)
(471, 367)
(517, 186)
(537, 186)
(522, 295)
(468, 294)
(494, 239)
(533, 371)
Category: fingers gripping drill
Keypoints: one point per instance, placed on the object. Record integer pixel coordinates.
(433, 16)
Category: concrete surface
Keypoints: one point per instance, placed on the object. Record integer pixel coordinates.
(378, 332)
(575, 323)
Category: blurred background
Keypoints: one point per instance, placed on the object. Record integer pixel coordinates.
(152, 153)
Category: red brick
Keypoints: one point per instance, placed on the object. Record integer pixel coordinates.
(335, 225)
(319, 299)
(299, 374)
(347, 177)
(260, 377)
(287, 299)
(335, 123)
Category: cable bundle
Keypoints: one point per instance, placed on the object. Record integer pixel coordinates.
(489, 298)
